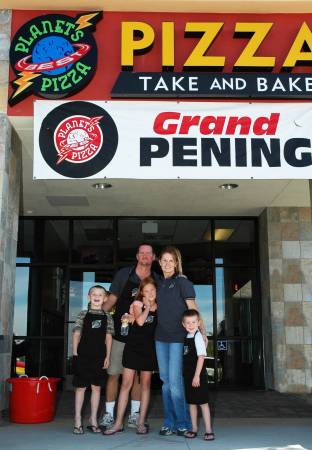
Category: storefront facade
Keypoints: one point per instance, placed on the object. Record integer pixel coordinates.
(248, 249)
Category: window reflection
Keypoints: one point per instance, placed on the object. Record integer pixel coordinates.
(238, 361)
(204, 302)
(237, 302)
(43, 240)
(93, 242)
(79, 285)
(35, 357)
(192, 237)
(21, 301)
(234, 242)
(25, 241)
(22, 260)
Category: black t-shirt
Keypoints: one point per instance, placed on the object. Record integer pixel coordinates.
(125, 286)
(172, 294)
(121, 278)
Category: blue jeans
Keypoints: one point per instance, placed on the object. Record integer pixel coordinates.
(176, 410)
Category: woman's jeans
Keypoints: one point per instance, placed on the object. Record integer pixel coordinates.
(170, 359)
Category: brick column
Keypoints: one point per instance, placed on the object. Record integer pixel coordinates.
(10, 174)
(286, 279)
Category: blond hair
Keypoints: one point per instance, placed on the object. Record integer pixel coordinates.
(176, 254)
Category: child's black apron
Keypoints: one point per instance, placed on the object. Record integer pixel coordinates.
(92, 348)
(194, 395)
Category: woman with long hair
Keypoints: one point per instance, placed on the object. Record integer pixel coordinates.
(175, 294)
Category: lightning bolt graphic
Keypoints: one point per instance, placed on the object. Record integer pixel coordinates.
(83, 21)
(24, 82)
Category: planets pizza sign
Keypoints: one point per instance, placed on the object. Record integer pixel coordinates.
(77, 139)
(53, 55)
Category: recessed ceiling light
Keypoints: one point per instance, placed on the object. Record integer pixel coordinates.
(29, 211)
(228, 186)
(101, 186)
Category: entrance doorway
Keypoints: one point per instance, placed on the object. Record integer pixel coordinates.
(72, 254)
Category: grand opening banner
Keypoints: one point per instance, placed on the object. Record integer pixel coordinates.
(171, 140)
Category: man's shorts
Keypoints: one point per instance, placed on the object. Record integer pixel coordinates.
(116, 367)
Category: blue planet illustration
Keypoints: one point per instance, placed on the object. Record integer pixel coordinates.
(51, 48)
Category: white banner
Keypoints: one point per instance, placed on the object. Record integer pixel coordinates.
(168, 140)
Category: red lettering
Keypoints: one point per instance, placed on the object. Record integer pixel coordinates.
(217, 122)
(175, 123)
(243, 122)
(265, 125)
(187, 123)
(160, 126)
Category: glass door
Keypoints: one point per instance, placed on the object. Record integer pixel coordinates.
(39, 321)
(237, 304)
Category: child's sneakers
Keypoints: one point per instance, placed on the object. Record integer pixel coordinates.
(166, 431)
(133, 420)
(107, 420)
(181, 431)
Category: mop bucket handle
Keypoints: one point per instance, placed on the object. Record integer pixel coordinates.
(38, 384)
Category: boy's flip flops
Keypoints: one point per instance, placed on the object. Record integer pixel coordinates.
(111, 431)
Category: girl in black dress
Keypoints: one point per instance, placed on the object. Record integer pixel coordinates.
(194, 373)
(139, 354)
(92, 342)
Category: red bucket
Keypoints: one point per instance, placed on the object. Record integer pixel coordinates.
(32, 400)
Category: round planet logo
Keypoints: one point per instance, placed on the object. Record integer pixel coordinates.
(52, 48)
(78, 139)
(53, 56)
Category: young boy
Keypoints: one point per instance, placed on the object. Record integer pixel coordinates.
(92, 342)
(194, 372)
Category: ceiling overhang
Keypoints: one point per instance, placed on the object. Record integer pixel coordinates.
(246, 6)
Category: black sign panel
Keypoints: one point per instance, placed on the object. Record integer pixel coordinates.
(212, 85)
(78, 139)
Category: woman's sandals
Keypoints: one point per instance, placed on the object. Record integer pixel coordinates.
(111, 431)
(78, 430)
(192, 434)
(142, 429)
(209, 437)
(94, 429)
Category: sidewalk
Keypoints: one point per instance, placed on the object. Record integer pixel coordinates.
(242, 420)
(225, 404)
(231, 434)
